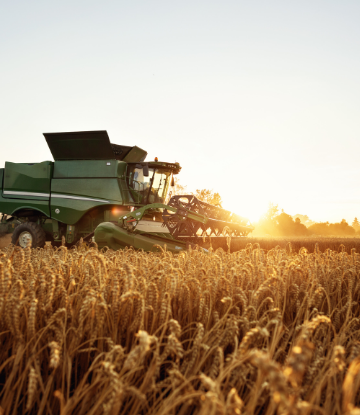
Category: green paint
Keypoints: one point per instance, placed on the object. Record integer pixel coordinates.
(22, 177)
(71, 169)
(139, 213)
(88, 180)
(11, 206)
(110, 235)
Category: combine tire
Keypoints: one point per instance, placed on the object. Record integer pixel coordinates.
(29, 232)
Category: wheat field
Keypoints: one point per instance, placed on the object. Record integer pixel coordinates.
(334, 243)
(84, 331)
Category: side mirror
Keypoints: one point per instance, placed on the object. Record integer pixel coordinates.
(146, 170)
(172, 184)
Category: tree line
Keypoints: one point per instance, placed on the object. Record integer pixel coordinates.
(282, 224)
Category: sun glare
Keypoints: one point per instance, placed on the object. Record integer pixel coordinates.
(253, 210)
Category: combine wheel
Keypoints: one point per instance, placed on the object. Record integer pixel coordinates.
(29, 232)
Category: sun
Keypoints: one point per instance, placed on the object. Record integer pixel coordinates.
(248, 208)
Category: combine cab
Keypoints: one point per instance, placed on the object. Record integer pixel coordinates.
(96, 189)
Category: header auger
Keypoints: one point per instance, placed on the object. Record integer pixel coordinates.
(96, 190)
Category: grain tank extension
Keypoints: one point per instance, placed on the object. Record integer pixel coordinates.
(94, 188)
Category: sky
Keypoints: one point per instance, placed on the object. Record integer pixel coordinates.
(257, 100)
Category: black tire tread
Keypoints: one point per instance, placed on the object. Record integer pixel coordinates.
(38, 233)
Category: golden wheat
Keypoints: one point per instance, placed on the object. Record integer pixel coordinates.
(85, 331)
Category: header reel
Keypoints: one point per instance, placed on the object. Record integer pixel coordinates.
(215, 221)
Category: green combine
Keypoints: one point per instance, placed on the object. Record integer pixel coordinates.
(107, 193)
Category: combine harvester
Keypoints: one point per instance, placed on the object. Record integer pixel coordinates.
(96, 189)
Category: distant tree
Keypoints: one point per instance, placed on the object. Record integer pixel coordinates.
(285, 223)
(332, 229)
(356, 225)
(321, 228)
(208, 196)
(271, 213)
(267, 223)
(304, 219)
(341, 229)
(287, 226)
(275, 224)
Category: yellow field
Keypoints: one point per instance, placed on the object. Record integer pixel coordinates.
(267, 243)
(89, 332)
